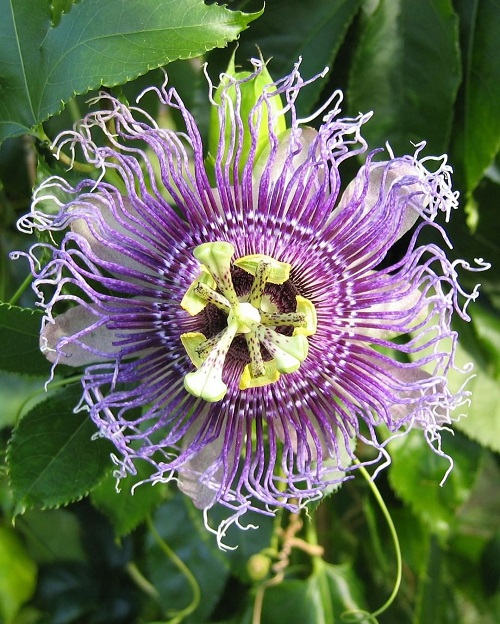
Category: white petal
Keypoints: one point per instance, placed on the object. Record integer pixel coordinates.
(95, 344)
(395, 173)
(401, 324)
(190, 475)
(108, 231)
(307, 136)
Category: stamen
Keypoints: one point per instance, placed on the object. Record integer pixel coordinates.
(280, 271)
(251, 317)
(212, 296)
(204, 348)
(308, 311)
(191, 341)
(246, 316)
(217, 258)
(290, 319)
(192, 302)
(287, 351)
(269, 376)
(257, 367)
(206, 382)
(262, 275)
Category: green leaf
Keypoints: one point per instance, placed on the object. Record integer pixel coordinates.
(341, 590)
(174, 524)
(51, 535)
(478, 345)
(436, 600)
(407, 71)
(19, 336)
(129, 506)
(96, 43)
(17, 575)
(486, 325)
(481, 140)
(482, 423)
(320, 599)
(16, 391)
(52, 458)
(293, 601)
(313, 30)
(416, 472)
(59, 7)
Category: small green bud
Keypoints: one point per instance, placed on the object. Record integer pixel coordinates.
(258, 567)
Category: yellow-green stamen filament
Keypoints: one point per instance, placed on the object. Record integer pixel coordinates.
(206, 382)
(251, 316)
(216, 257)
(262, 274)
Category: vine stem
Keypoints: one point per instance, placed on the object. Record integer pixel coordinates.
(182, 567)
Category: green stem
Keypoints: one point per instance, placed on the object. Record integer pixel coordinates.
(17, 295)
(178, 616)
(74, 110)
(319, 570)
(72, 163)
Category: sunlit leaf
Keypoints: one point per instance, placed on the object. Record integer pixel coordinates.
(416, 472)
(96, 43)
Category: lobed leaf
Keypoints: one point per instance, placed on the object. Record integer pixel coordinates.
(96, 44)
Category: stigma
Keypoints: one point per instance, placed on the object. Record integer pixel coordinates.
(253, 316)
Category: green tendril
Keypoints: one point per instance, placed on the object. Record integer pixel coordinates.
(177, 616)
(360, 615)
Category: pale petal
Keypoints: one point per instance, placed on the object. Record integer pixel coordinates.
(385, 314)
(110, 232)
(192, 471)
(395, 173)
(280, 166)
(75, 338)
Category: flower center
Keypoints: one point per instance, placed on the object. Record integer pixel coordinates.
(249, 316)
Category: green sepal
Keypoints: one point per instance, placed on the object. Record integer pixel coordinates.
(250, 91)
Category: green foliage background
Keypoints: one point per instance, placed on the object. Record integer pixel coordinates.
(72, 549)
